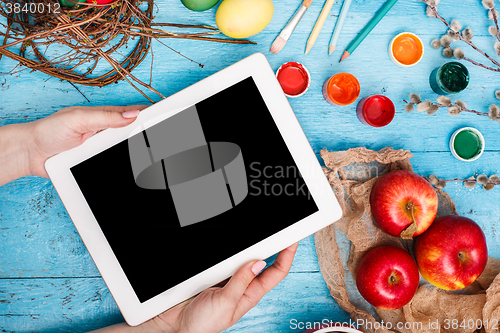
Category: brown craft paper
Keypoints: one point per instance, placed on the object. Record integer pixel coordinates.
(352, 175)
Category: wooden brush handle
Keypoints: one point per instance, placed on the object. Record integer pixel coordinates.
(307, 3)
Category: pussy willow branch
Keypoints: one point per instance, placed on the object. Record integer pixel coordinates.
(495, 19)
(461, 108)
(481, 65)
(467, 181)
(461, 37)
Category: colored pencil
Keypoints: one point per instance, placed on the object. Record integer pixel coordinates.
(339, 25)
(368, 28)
(319, 24)
(281, 40)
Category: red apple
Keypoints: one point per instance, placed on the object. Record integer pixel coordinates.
(400, 198)
(387, 277)
(452, 253)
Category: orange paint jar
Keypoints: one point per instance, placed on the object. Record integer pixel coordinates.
(406, 49)
(341, 89)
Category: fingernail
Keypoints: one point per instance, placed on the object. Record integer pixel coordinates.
(258, 266)
(131, 114)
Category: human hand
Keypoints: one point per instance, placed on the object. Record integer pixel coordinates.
(69, 128)
(218, 308)
(25, 147)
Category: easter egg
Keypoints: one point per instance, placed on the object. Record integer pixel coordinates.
(243, 18)
(199, 5)
(67, 3)
(100, 2)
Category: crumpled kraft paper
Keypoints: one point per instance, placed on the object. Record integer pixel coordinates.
(352, 174)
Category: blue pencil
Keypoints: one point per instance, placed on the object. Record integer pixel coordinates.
(338, 26)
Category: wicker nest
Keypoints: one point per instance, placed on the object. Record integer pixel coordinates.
(89, 32)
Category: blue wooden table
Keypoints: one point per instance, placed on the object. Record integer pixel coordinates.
(48, 281)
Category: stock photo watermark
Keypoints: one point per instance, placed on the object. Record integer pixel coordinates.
(263, 181)
(278, 180)
(436, 324)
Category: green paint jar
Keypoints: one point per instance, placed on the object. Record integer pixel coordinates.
(467, 144)
(451, 78)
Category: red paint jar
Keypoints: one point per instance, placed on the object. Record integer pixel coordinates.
(294, 79)
(376, 111)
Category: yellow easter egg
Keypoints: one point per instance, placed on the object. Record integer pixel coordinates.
(243, 18)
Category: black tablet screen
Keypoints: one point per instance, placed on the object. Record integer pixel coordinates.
(194, 189)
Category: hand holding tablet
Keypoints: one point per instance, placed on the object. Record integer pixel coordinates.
(215, 309)
(220, 173)
(69, 128)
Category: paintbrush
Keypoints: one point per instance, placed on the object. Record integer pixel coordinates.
(281, 40)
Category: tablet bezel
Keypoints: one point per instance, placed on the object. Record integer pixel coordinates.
(329, 211)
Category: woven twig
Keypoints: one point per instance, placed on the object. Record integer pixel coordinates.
(90, 32)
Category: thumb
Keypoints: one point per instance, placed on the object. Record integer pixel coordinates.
(95, 120)
(239, 282)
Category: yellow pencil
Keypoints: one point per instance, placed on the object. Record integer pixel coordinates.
(319, 24)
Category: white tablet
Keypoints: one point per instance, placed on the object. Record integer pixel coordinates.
(210, 178)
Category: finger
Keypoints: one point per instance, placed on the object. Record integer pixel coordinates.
(126, 108)
(114, 108)
(239, 282)
(279, 269)
(93, 120)
(267, 280)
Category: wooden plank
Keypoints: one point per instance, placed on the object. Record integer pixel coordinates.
(325, 125)
(83, 304)
(56, 305)
(39, 239)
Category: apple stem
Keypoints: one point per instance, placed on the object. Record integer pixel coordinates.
(412, 228)
(392, 279)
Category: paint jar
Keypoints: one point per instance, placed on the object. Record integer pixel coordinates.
(451, 78)
(467, 144)
(406, 49)
(294, 79)
(376, 111)
(341, 89)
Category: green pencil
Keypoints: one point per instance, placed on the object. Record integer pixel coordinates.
(368, 28)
